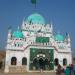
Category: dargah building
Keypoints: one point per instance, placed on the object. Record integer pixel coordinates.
(35, 45)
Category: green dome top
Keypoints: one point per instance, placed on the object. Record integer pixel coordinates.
(59, 37)
(18, 34)
(35, 19)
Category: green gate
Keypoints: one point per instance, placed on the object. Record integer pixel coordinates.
(45, 54)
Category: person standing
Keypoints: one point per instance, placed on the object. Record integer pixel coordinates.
(58, 70)
(67, 71)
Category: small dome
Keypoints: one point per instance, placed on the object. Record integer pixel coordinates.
(17, 34)
(59, 37)
(35, 19)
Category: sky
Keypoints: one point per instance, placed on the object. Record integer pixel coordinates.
(61, 13)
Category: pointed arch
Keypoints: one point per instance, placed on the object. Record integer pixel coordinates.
(56, 61)
(64, 61)
(24, 61)
(13, 61)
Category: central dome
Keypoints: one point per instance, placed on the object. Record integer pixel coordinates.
(35, 19)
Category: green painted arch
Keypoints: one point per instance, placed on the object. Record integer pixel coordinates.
(18, 34)
(59, 37)
(35, 19)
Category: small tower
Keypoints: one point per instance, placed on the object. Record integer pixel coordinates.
(9, 33)
(68, 40)
(23, 24)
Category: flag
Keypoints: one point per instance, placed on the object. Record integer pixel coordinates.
(33, 1)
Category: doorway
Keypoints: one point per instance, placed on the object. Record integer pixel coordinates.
(41, 63)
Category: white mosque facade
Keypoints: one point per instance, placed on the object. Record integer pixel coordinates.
(35, 45)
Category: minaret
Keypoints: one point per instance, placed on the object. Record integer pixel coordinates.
(9, 37)
(9, 33)
(68, 40)
(23, 24)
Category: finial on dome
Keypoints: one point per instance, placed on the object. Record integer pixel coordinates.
(9, 29)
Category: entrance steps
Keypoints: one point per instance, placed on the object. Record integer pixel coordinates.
(29, 73)
(21, 70)
(17, 69)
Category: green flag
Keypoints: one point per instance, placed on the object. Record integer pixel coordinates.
(33, 1)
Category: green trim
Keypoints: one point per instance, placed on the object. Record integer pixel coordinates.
(49, 54)
(42, 39)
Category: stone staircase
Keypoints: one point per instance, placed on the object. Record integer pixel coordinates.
(29, 73)
(17, 69)
(21, 70)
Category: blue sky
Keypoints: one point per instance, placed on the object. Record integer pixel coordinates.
(60, 12)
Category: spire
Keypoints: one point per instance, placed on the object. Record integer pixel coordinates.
(68, 38)
(23, 24)
(9, 32)
(9, 29)
(67, 35)
(51, 26)
(23, 21)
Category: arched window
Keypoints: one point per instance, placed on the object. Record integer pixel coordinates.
(56, 61)
(64, 61)
(13, 61)
(24, 61)
(46, 61)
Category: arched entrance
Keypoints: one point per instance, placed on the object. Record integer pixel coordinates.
(24, 61)
(13, 61)
(56, 61)
(35, 64)
(64, 61)
(41, 58)
(41, 63)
